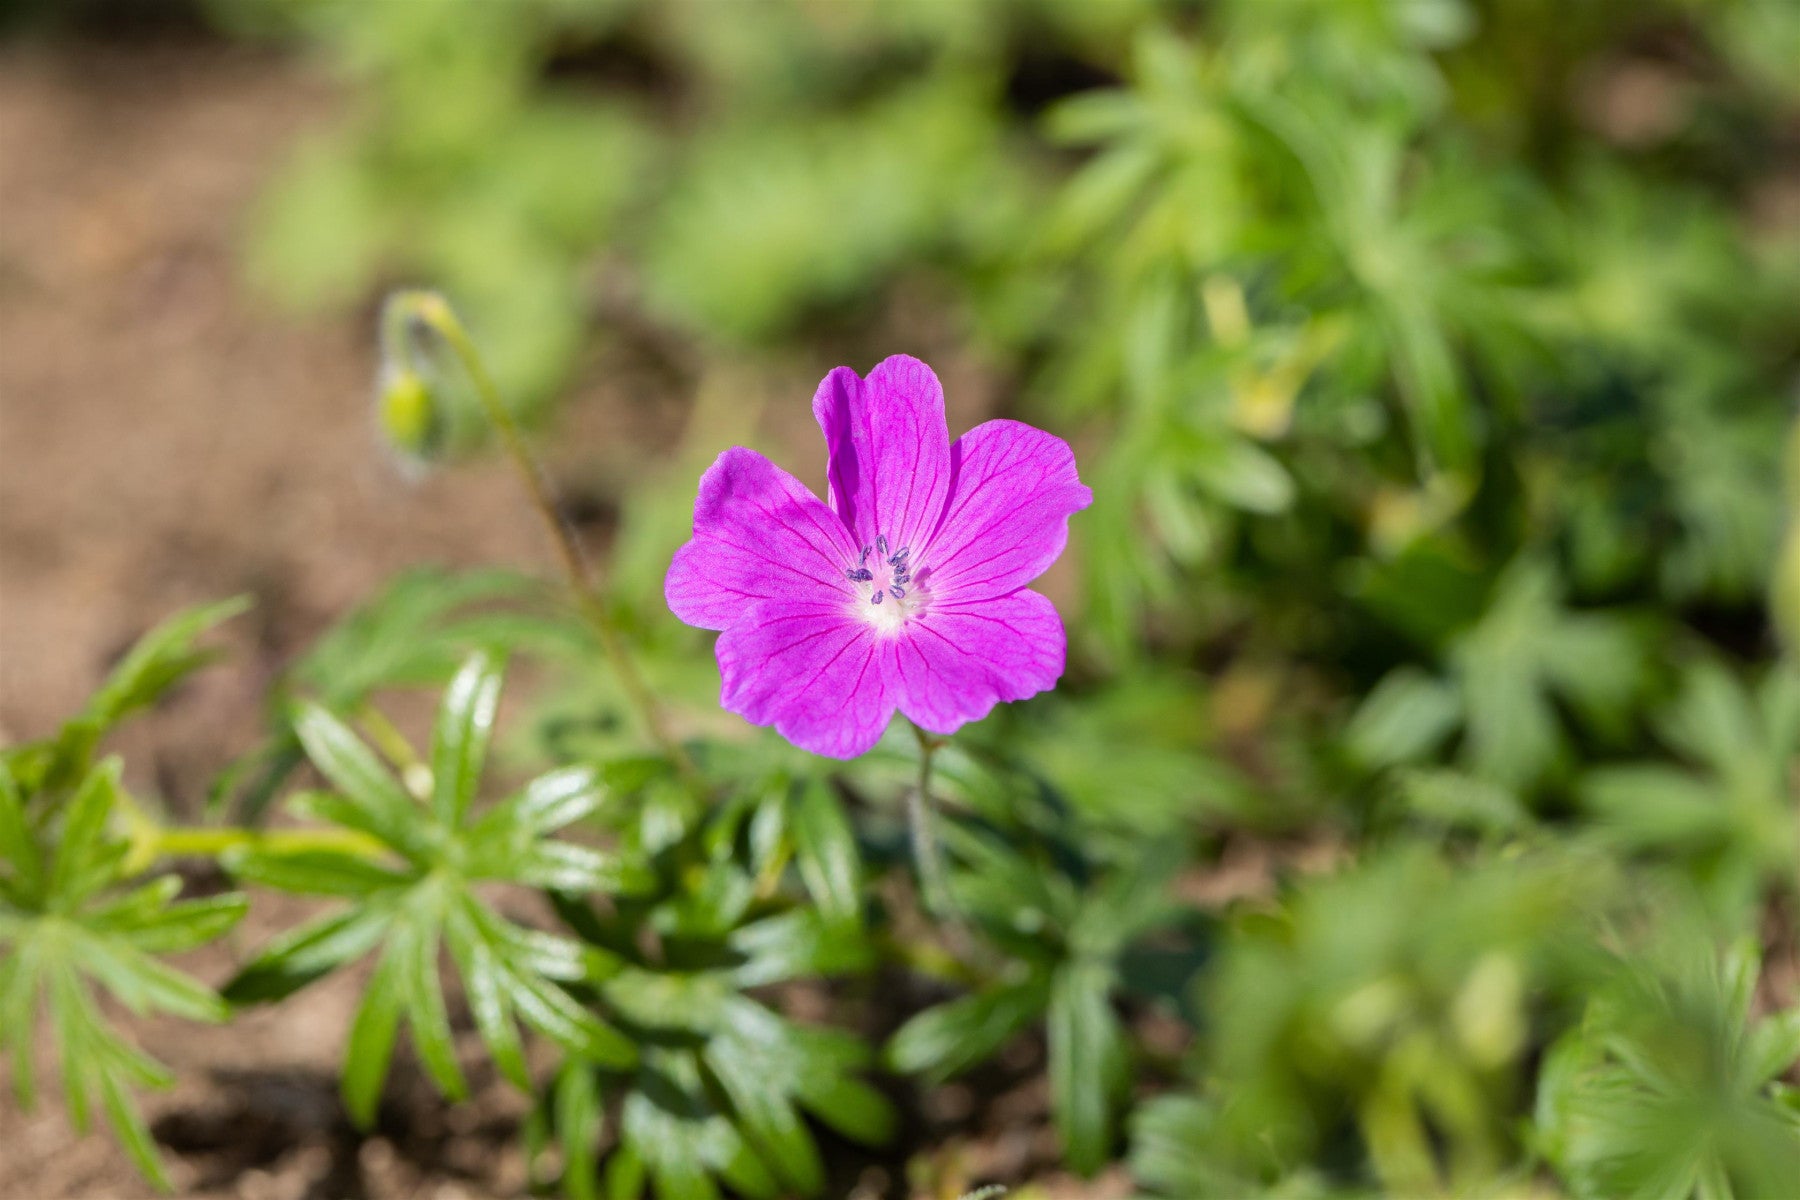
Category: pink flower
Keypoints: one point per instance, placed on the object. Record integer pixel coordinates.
(908, 592)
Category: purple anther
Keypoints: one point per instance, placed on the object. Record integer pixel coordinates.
(865, 554)
(881, 544)
(902, 577)
(864, 575)
(876, 598)
(899, 593)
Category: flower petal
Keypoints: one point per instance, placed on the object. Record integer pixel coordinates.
(822, 678)
(889, 449)
(958, 660)
(1012, 490)
(759, 534)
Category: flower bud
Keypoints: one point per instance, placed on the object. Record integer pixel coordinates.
(410, 420)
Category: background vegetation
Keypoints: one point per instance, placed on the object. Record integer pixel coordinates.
(1421, 812)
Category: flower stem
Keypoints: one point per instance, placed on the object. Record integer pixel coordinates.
(211, 841)
(434, 312)
(150, 841)
(932, 883)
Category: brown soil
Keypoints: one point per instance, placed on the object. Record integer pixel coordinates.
(167, 438)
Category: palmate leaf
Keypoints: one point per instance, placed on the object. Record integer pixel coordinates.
(722, 1093)
(1668, 1089)
(417, 900)
(726, 1092)
(70, 929)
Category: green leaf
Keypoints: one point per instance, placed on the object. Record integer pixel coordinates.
(1242, 474)
(577, 1117)
(371, 1044)
(373, 801)
(1405, 717)
(739, 1165)
(70, 1015)
(626, 1175)
(313, 872)
(415, 946)
(947, 1040)
(133, 1135)
(18, 989)
(1087, 1062)
(1715, 721)
(825, 853)
(798, 943)
(159, 660)
(415, 633)
(485, 986)
(18, 848)
(767, 1119)
(306, 952)
(1456, 800)
(144, 984)
(549, 1009)
(1774, 1046)
(182, 927)
(1656, 806)
(566, 867)
(1170, 1150)
(849, 1106)
(554, 800)
(459, 741)
(82, 830)
(683, 1180)
(766, 835)
(1131, 901)
(125, 909)
(541, 953)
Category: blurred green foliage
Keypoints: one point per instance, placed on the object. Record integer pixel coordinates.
(1434, 364)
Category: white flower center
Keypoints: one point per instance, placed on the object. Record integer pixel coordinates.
(887, 592)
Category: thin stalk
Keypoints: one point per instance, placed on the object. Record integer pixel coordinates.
(435, 313)
(397, 750)
(211, 841)
(932, 883)
(150, 840)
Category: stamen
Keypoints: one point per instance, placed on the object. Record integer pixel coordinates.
(890, 572)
